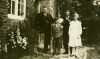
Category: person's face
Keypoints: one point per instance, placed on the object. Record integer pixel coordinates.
(45, 10)
(59, 15)
(56, 22)
(75, 17)
(67, 13)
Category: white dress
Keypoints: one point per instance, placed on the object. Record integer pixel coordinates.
(75, 31)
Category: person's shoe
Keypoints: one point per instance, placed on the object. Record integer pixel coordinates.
(71, 55)
(76, 56)
(49, 52)
(58, 53)
(53, 53)
(48, 49)
(65, 53)
(45, 52)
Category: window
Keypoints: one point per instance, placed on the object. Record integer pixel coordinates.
(16, 9)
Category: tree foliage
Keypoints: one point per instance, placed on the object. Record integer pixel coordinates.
(83, 7)
(89, 12)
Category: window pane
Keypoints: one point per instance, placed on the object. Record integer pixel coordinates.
(21, 1)
(13, 7)
(22, 10)
(9, 6)
(19, 9)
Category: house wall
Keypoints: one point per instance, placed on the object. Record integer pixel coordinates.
(3, 19)
(7, 23)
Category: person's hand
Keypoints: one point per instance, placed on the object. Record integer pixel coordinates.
(51, 38)
(78, 36)
(61, 26)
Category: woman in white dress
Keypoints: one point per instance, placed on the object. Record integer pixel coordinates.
(75, 31)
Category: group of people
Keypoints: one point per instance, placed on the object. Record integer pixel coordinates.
(68, 28)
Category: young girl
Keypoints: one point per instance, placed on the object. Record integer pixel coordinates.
(75, 31)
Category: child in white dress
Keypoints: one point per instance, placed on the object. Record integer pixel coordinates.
(75, 31)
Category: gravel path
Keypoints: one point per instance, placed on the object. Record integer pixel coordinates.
(84, 53)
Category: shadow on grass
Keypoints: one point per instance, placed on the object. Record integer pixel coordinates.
(20, 54)
(14, 54)
(94, 53)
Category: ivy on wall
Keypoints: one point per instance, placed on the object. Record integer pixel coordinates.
(1, 21)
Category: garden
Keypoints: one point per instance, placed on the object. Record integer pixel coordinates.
(22, 39)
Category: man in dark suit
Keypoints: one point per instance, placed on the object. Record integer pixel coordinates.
(44, 20)
(65, 32)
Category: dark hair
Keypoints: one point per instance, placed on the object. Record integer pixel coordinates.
(67, 11)
(55, 19)
(59, 13)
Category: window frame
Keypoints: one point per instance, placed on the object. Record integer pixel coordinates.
(16, 16)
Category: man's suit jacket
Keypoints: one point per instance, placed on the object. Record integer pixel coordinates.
(44, 22)
(66, 26)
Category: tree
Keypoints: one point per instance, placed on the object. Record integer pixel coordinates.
(89, 12)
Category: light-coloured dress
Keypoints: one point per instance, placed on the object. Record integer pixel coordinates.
(75, 31)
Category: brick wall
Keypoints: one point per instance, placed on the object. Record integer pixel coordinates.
(3, 19)
(30, 9)
(6, 23)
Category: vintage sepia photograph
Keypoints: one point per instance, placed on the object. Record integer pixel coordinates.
(49, 29)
